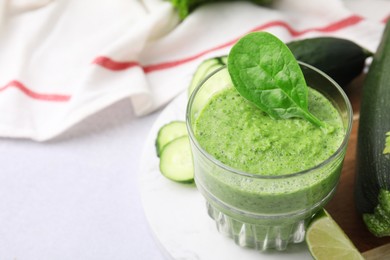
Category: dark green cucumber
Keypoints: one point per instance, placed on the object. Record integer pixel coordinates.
(341, 59)
(372, 184)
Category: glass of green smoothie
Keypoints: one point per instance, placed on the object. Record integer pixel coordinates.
(263, 179)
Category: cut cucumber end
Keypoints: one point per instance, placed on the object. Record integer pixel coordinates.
(378, 223)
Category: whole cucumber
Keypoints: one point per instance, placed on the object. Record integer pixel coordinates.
(372, 186)
(341, 59)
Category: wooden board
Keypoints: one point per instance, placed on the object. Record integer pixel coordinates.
(342, 206)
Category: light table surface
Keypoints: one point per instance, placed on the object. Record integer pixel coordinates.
(77, 197)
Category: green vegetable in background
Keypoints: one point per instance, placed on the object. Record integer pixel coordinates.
(185, 7)
(372, 185)
(341, 59)
(265, 72)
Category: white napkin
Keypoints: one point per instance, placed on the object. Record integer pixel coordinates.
(63, 60)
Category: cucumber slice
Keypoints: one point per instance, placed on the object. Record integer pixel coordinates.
(169, 132)
(205, 68)
(215, 83)
(176, 160)
(223, 59)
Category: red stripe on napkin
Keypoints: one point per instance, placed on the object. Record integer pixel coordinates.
(35, 95)
(384, 20)
(110, 64)
(113, 65)
(167, 65)
(349, 21)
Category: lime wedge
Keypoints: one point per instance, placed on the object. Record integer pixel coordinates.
(326, 240)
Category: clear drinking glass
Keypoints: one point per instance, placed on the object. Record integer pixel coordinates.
(266, 211)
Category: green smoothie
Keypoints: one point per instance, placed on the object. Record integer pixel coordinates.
(238, 134)
(267, 149)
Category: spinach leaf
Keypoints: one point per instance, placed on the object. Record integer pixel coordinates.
(265, 72)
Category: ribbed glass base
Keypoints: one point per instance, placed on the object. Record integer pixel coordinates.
(257, 236)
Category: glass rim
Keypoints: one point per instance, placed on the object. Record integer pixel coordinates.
(285, 175)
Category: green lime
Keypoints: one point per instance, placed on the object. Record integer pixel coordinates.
(326, 240)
